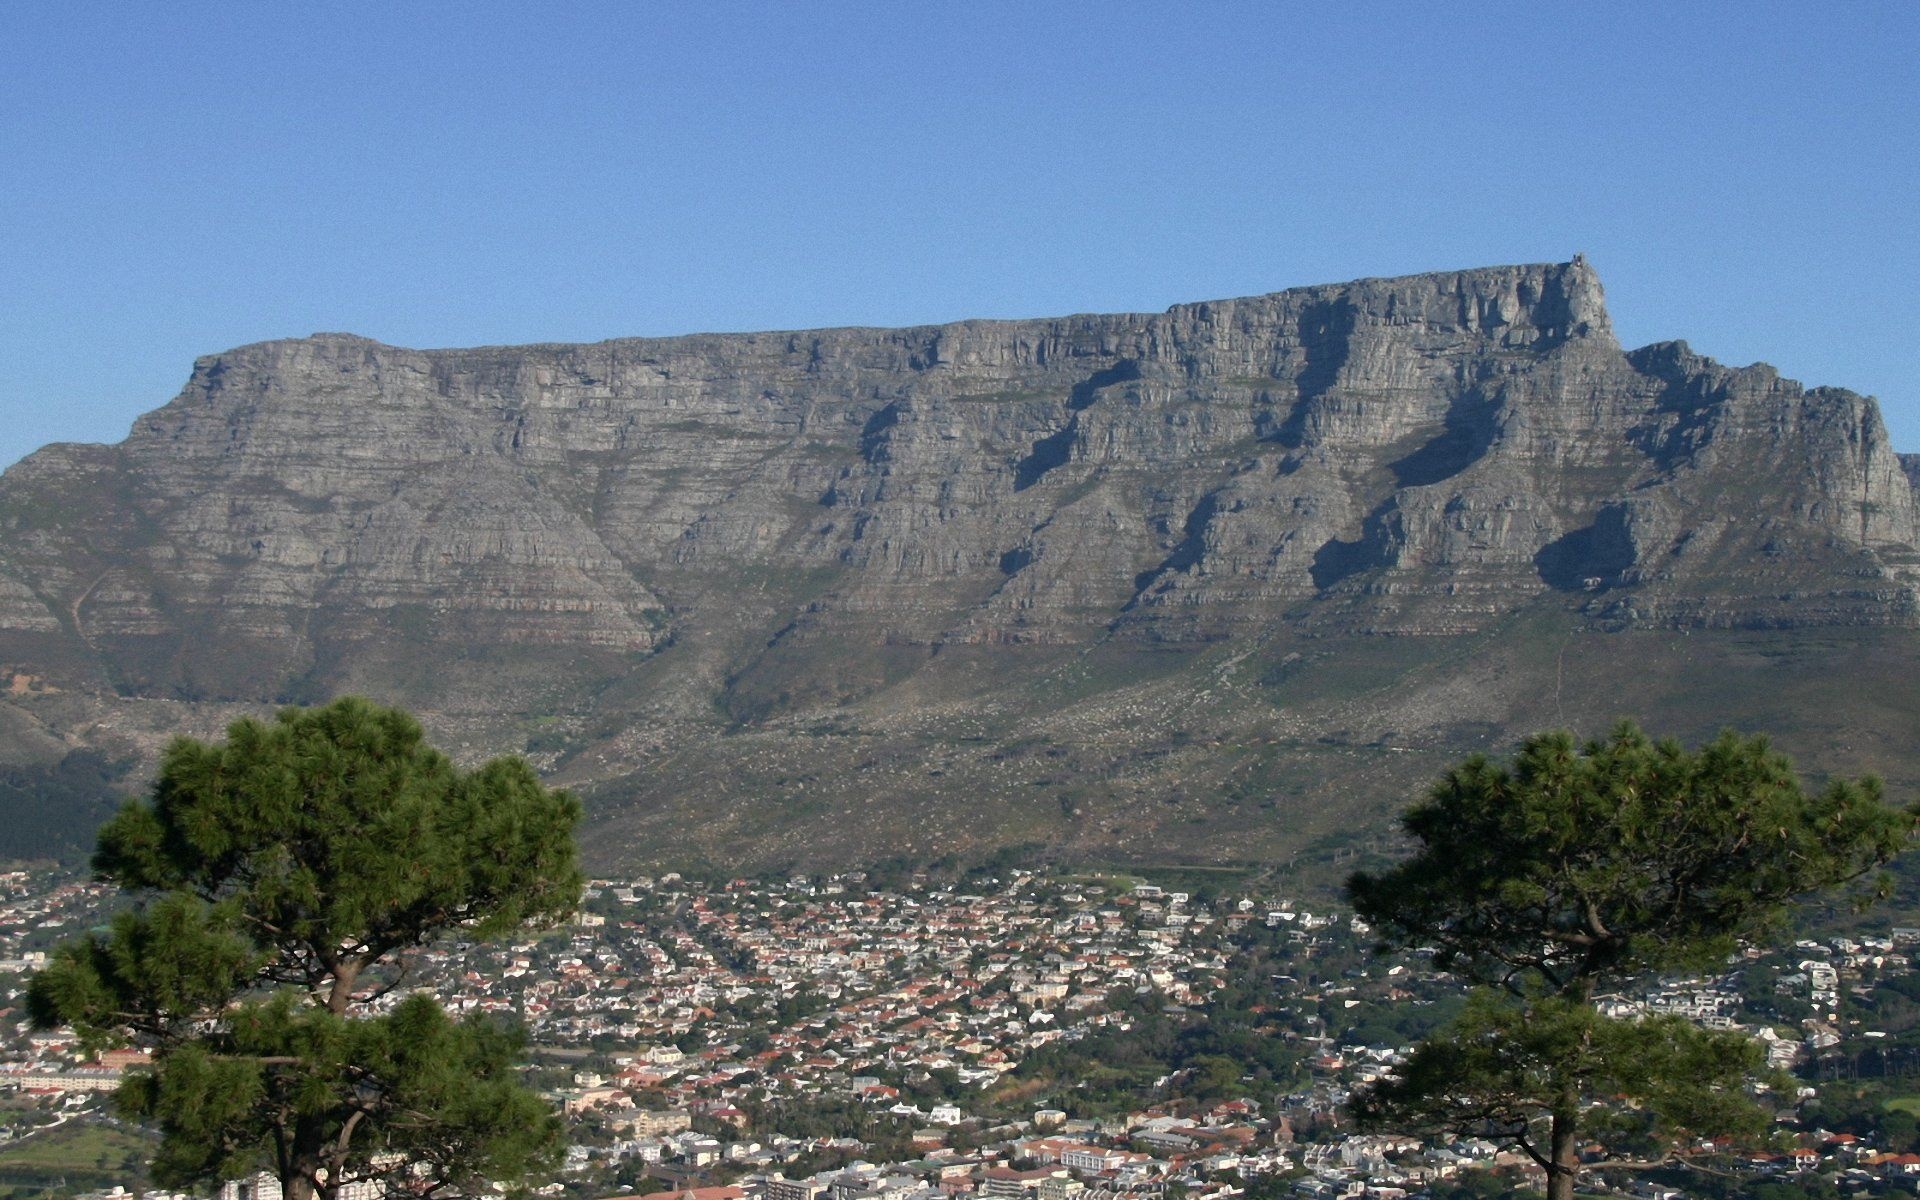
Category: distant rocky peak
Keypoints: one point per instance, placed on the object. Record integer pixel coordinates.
(676, 534)
(1534, 305)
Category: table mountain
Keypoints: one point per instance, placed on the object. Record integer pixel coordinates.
(1221, 582)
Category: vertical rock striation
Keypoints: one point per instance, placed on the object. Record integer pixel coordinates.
(789, 522)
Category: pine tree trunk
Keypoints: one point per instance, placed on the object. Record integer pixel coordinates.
(1563, 1167)
(305, 1161)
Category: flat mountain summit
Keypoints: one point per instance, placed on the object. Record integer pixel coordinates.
(1224, 583)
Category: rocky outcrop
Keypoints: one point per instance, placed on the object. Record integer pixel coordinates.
(764, 526)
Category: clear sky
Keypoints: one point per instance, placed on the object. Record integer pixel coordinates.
(177, 179)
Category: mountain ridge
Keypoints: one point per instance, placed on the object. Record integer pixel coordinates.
(1579, 261)
(708, 577)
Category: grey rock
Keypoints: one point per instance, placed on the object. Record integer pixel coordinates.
(646, 543)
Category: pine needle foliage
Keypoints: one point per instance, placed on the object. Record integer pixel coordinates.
(1574, 868)
(282, 880)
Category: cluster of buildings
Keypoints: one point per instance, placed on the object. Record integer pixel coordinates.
(809, 984)
(1043, 1157)
(701, 1038)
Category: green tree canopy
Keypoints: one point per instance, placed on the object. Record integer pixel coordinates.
(1576, 867)
(281, 879)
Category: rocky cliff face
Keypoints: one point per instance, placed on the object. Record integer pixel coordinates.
(669, 550)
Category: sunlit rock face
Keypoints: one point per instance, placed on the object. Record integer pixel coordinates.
(765, 526)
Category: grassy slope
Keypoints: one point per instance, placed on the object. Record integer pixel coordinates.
(1289, 751)
(78, 1154)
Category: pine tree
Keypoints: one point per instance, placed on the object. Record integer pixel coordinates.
(1574, 869)
(281, 882)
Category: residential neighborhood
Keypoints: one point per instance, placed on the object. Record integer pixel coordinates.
(1014, 1035)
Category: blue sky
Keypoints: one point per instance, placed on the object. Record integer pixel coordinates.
(179, 179)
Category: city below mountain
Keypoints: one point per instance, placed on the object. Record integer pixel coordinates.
(1224, 584)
